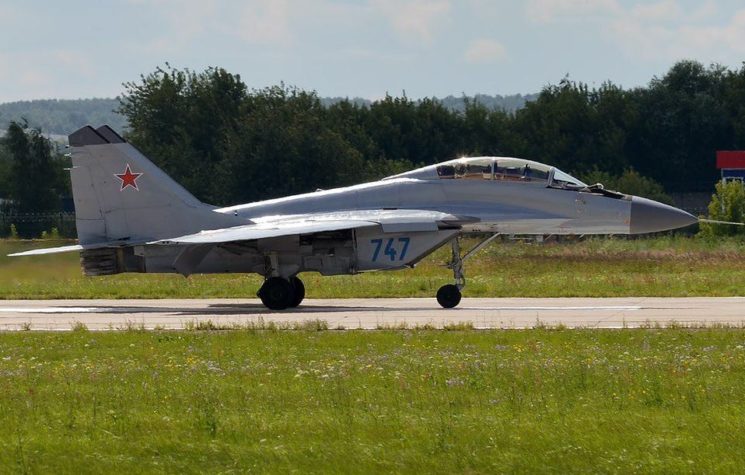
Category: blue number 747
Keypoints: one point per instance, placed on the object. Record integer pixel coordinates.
(390, 249)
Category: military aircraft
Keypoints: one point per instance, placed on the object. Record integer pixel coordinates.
(132, 217)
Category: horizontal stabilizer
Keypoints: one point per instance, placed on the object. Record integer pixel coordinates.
(75, 247)
(49, 250)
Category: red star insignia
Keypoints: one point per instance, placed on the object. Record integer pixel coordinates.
(128, 178)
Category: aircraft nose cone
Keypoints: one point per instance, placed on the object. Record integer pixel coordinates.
(648, 216)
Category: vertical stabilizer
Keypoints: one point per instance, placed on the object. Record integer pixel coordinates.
(120, 195)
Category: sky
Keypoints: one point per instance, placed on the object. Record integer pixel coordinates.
(363, 48)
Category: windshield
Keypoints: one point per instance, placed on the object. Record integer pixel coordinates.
(565, 180)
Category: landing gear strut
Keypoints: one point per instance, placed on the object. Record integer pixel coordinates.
(449, 295)
(279, 293)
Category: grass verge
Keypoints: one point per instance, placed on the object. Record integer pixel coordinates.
(674, 267)
(389, 401)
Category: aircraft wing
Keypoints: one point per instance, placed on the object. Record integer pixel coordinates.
(391, 221)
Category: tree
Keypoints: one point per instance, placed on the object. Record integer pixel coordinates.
(629, 182)
(6, 164)
(682, 120)
(226, 144)
(35, 184)
(284, 145)
(575, 128)
(727, 204)
(182, 119)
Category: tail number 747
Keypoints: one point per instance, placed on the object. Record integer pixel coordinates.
(394, 248)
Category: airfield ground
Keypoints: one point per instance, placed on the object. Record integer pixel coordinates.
(563, 401)
(314, 399)
(374, 314)
(661, 267)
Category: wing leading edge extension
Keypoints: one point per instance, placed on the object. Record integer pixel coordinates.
(391, 221)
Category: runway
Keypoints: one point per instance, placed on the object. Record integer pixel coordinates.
(482, 313)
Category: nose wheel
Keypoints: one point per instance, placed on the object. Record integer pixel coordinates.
(448, 296)
(278, 293)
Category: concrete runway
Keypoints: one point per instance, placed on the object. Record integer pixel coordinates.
(375, 313)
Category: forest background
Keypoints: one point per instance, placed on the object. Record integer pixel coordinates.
(228, 144)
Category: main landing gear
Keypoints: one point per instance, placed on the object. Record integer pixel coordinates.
(448, 296)
(279, 293)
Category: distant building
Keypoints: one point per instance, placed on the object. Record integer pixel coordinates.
(732, 165)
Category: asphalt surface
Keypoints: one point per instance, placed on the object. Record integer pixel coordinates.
(375, 313)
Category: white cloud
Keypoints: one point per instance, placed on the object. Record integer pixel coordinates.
(485, 50)
(73, 60)
(265, 22)
(8, 15)
(651, 33)
(704, 11)
(549, 11)
(414, 19)
(661, 30)
(256, 22)
(666, 10)
(27, 77)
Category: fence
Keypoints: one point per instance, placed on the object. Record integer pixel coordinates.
(33, 225)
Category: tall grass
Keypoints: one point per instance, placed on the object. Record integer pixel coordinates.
(663, 266)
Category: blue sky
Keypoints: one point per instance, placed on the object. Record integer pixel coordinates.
(75, 48)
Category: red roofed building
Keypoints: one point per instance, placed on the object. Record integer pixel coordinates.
(732, 164)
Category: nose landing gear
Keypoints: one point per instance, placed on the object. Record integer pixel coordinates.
(448, 296)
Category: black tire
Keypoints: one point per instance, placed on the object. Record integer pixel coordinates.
(276, 293)
(298, 291)
(448, 296)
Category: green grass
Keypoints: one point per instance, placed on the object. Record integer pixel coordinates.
(624, 401)
(593, 268)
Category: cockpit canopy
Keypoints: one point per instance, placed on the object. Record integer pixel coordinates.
(499, 169)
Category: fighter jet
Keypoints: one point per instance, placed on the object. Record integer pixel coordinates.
(132, 217)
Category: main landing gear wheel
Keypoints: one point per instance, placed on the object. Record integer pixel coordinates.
(298, 289)
(448, 296)
(277, 293)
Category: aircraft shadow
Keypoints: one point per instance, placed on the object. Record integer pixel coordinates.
(232, 309)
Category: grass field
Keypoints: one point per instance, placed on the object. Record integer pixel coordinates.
(593, 268)
(411, 401)
(630, 401)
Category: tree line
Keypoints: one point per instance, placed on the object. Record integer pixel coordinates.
(227, 143)
(59, 117)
